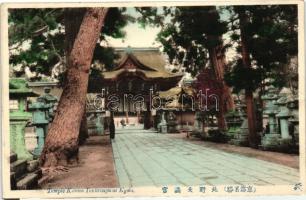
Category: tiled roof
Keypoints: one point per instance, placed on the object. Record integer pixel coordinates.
(148, 61)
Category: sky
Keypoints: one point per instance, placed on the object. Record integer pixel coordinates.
(137, 36)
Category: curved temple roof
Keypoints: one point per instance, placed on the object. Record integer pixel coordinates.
(147, 62)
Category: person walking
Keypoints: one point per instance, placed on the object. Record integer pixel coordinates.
(112, 127)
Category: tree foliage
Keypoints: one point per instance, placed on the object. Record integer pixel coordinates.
(208, 85)
(36, 40)
(191, 32)
(271, 34)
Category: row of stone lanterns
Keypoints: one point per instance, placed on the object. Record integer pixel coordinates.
(24, 170)
(282, 113)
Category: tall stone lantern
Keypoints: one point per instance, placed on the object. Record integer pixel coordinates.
(271, 140)
(40, 111)
(283, 116)
(19, 117)
(293, 105)
(284, 113)
(241, 136)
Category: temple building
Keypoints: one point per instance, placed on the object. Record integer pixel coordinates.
(129, 88)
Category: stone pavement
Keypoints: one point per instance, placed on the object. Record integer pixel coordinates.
(147, 158)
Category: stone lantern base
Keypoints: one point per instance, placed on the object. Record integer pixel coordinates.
(285, 144)
(240, 139)
(172, 127)
(270, 141)
(163, 128)
(241, 135)
(274, 142)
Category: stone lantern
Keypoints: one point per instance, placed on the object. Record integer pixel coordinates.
(271, 140)
(293, 105)
(47, 98)
(172, 124)
(100, 123)
(40, 111)
(19, 117)
(284, 113)
(198, 128)
(233, 121)
(242, 134)
(95, 122)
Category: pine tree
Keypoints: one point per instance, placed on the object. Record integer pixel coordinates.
(267, 39)
(61, 144)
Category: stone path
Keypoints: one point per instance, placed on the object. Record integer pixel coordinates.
(147, 158)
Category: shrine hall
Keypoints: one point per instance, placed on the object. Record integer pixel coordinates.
(138, 74)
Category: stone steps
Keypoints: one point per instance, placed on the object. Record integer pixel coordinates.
(13, 157)
(19, 167)
(13, 181)
(29, 181)
(24, 175)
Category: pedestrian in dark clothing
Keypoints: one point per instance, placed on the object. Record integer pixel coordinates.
(112, 128)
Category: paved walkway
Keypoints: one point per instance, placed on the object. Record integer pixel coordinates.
(147, 158)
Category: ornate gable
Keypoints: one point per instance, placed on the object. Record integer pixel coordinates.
(131, 63)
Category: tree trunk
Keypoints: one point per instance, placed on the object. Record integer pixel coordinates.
(217, 59)
(61, 144)
(226, 102)
(72, 21)
(253, 137)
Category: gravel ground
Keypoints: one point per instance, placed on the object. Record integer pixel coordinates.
(95, 168)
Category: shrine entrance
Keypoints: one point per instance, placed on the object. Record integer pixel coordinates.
(129, 87)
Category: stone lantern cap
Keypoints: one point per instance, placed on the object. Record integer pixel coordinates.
(293, 102)
(39, 105)
(284, 113)
(272, 90)
(293, 119)
(285, 92)
(18, 87)
(281, 101)
(47, 96)
(269, 96)
(271, 108)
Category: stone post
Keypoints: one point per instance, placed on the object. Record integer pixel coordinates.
(99, 123)
(163, 123)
